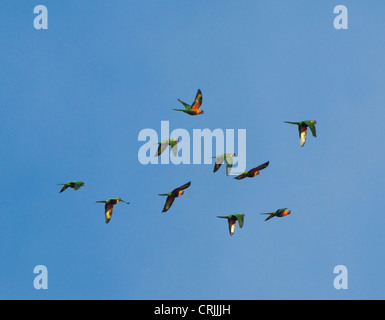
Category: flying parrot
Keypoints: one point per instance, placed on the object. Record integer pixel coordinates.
(232, 219)
(109, 206)
(72, 184)
(192, 109)
(165, 143)
(302, 129)
(279, 213)
(228, 158)
(253, 172)
(173, 194)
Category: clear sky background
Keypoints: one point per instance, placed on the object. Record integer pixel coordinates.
(74, 98)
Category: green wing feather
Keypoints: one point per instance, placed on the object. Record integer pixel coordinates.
(302, 134)
(72, 184)
(185, 186)
(78, 184)
(187, 106)
(242, 176)
(218, 162)
(259, 168)
(64, 188)
(229, 164)
(262, 166)
(311, 125)
(108, 212)
(270, 216)
(161, 148)
(174, 147)
(231, 226)
(231, 219)
(168, 204)
(197, 101)
(240, 219)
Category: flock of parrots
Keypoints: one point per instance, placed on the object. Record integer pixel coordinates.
(193, 110)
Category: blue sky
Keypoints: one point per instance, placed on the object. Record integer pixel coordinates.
(74, 98)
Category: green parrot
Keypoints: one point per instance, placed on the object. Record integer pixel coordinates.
(110, 206)
(192, 109)
(253, 172)
(72, 184)
(302, 128)
(173, 194)
(232, 219)
(228, 158)
(279, 213)
(165, 143)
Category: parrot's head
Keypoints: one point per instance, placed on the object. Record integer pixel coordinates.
(120, 200)
(201, 112)
(313, 121)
